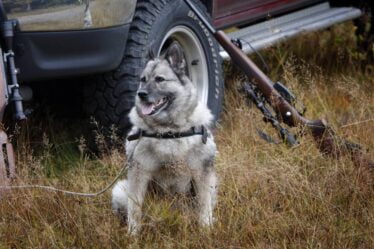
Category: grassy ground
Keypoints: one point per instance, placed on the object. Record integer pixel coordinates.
(270, 196)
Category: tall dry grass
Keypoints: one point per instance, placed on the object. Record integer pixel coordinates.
(269, 197)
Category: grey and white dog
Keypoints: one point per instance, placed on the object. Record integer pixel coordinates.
(165, 148)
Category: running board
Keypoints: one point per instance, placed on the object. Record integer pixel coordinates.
(268, 33)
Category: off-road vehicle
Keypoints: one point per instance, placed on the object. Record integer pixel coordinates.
(108, 40)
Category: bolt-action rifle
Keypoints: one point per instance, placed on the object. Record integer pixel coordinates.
(275, 95)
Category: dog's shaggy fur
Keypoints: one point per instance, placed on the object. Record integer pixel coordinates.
(167, 101)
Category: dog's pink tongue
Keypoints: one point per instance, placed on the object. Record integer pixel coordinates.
(147, 109)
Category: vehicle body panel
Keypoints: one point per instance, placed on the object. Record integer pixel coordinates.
(53, 39)
(55, 15)
(236, 12)
(50, 55)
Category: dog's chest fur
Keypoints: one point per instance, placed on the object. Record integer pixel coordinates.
(174, 177)
(168, 153)
(171, 161)
(167, 150)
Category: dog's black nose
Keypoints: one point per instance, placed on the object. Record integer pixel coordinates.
(143, 94)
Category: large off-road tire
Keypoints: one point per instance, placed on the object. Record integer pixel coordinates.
(155, 24)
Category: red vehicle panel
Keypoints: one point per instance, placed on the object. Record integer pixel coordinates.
(234, 12)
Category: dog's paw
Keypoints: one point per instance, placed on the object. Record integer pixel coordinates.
(119, 197)
(122, 215)
(133, 229)
(206, 220)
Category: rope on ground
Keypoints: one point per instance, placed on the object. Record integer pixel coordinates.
(53, 189)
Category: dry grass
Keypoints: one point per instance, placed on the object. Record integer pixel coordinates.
(270, 196)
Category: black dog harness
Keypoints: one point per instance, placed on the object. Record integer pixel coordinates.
(170, 135)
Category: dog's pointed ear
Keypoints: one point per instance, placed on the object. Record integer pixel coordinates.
(175, 56)
(151, 54)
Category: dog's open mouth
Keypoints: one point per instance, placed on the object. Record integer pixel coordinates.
(156, 107)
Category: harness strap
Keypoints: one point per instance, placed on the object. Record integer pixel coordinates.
(171, 135)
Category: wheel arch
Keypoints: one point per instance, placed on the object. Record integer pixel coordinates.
(209, 4)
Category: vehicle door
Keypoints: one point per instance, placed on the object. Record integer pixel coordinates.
(236, 12)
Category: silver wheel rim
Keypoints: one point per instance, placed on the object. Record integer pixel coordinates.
(194, 52)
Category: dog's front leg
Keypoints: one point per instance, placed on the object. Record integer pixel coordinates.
(206, 191)
(138, 182)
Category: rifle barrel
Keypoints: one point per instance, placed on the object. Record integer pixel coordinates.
(289, 114)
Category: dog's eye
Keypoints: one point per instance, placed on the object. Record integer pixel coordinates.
(143, 79)
(159, 79)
